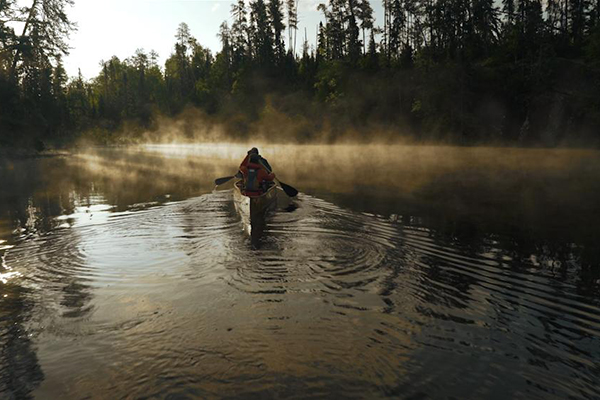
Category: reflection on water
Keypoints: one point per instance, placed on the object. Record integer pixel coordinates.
(397, 272)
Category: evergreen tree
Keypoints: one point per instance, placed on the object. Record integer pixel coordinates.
(372, 59)
(183, 36)
(396, 27)
(7, 34)
(78, 103)
(60, 112)
(335, 17)
(485, 24)
(292, 17)
(577, 11)
(531, 22)
(275, 13)
(46, 27)
(59, 81)
(509, 10)
(322, 52)
(553, 12)
(239, 33)
(261, 33)
(353, 43)
(365, 15)
(225, 37)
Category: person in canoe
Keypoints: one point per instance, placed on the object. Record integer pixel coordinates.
(256, 175)
(266, 176)
(263, 161)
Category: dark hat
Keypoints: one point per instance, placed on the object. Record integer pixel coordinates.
(253, 150)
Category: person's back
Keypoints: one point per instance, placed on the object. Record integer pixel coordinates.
(255, 174)
(266, 164)
(261, 160)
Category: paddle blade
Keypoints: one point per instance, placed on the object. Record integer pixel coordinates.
(223, 180)
(289, 190)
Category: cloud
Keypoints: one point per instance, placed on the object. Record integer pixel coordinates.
(215, 7)
(309, 5)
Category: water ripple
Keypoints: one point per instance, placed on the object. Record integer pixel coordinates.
(327, 300)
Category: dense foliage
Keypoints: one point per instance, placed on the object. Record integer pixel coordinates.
(466, 71)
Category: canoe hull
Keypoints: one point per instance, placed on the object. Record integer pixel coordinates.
(254, 208)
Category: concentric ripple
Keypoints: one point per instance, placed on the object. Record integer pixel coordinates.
(178, 300)
(316, 248)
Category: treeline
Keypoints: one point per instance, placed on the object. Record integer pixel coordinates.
(466, 71)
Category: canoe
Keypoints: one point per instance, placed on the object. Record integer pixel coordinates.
(254, 208)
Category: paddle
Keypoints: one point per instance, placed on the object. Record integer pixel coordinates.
(223, 180)
(289, 190)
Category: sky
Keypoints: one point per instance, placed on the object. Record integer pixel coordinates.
(109, 28)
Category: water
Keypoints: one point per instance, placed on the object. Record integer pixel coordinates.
(413, 272)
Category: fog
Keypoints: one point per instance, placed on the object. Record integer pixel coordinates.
(552, 189)
(485, 183)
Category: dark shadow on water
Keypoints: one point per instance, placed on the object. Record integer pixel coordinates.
(20, 372)
(257, 231)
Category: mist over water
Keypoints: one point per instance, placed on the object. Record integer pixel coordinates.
(399, 271)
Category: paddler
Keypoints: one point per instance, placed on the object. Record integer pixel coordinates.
(263, 161)
(255, 173)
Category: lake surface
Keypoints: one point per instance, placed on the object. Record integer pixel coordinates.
(399, 271)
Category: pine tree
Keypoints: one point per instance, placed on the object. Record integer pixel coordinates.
(322, 46)
(365, 15)
(577, 11)
(184, 37)
(275, 13)
(292, 17)
(372, 60)
(239, 42)
(60, 112)
(553, 12)
(335, 31)
(225, 37)
(353, 43)
(260, 28)
(398, 24)
(59, 80)
(485, 23)
(509, 10)
(594, 15)
(8, 11)
(45, 28)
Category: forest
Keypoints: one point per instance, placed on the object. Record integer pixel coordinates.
(515, 72)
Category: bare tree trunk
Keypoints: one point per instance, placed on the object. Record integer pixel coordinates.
(296, 27)
(290, 36)
(305, 42)
(365, 44)
(317, 43)
(387, 28)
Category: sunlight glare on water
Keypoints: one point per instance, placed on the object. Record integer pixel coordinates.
(6, 273)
